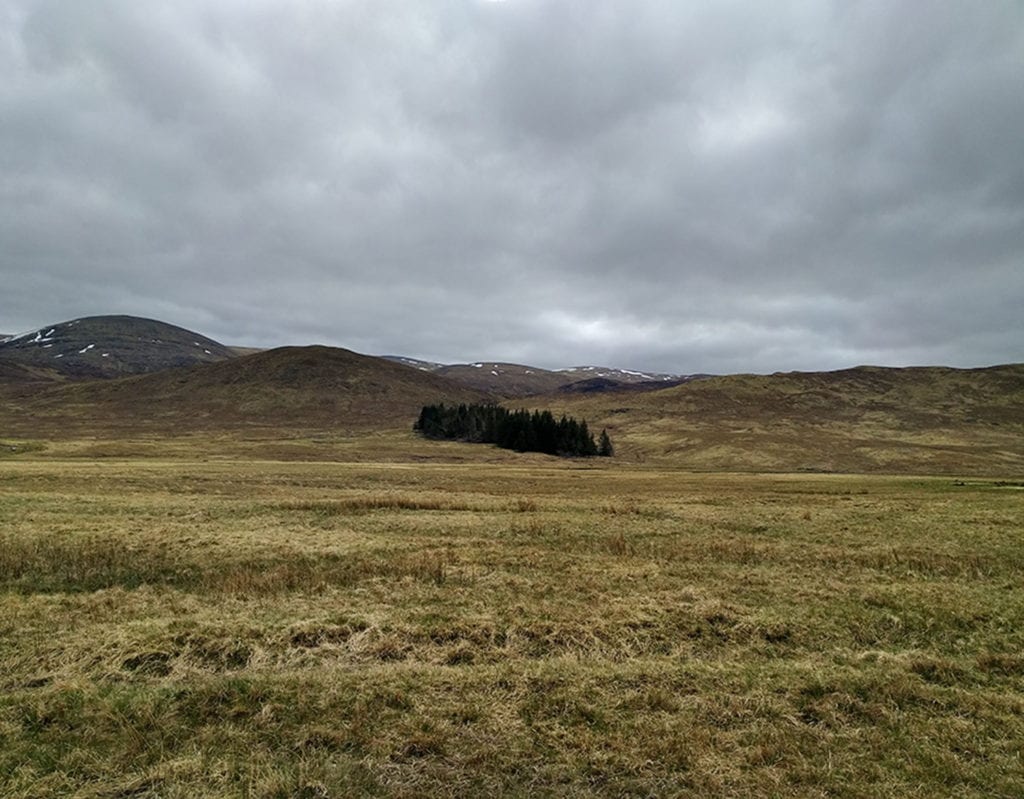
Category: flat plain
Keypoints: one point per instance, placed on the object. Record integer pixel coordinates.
(487, 624)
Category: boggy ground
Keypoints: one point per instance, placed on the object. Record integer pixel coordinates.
(178, 628)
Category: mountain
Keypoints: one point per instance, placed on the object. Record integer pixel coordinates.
(518, 380)
(866, 419)
(592, 385)
(415, 363)
(293, 388)
(924, 420)
(106, 347)
(164, 380)
(504, 379)
(577, 373)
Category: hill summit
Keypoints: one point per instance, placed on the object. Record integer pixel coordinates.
(107, 346)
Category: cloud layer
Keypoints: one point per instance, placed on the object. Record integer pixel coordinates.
(679, 187)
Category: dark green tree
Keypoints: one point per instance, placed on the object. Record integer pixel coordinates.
(519, 430)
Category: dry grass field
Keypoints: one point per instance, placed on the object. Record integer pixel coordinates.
(501, 626)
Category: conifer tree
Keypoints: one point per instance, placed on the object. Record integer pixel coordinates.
(519, 430)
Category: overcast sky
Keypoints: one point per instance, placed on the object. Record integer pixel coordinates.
(664, 185)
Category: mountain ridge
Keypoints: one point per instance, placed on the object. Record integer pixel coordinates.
(119, 345)
(521, 380)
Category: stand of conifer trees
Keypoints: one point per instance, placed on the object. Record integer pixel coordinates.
(519, 430)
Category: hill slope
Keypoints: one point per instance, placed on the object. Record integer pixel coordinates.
(519, 380)
(293, 388)
(505, 379)
(927, 419)
(868, 419)
(106, 347)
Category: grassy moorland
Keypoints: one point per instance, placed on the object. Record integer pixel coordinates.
(321, 403)
(503, 626)
(923, 420)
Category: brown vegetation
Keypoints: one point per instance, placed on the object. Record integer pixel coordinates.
(292, 389)
(254, 628)
(869, 419)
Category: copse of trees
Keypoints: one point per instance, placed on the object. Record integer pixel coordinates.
(520, 430)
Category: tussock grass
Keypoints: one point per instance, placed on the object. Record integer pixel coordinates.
(51, 565)
(10, 449)
(918, 561)
(377, 502)
(179, 628)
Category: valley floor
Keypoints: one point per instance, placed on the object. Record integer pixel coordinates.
(186, 628)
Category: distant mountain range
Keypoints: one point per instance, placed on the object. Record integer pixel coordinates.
(118, 376)
(518, 380)
(572, 373)
(119, 346)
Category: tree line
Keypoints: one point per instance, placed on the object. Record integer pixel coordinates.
(519, 430)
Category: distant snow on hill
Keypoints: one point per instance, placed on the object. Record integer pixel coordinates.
(519, 380)
(118, 345)
(109, 346)
(415, 363)
(620, 375)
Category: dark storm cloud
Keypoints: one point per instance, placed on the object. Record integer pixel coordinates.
(682, 187)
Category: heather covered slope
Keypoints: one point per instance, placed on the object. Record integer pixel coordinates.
(926, 420)
(286, 389)
(104, 347)
(867, 419)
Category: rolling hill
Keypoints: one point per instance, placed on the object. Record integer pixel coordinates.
(866, 419)
(105, 347)
(290, 388)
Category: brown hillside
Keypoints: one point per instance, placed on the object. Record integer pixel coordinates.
(297, 388)
(13, 373)
(868, 419)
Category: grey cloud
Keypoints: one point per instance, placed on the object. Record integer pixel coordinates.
(668, 186)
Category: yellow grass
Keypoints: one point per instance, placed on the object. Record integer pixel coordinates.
(181, 626)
